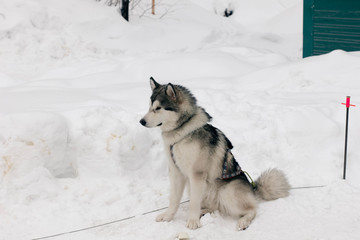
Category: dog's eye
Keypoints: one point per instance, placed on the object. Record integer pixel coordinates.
(158, 108)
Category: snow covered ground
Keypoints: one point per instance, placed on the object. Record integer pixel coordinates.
(74, 82)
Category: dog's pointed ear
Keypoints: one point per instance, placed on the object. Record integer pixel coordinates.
(170, 91)
(153, 84)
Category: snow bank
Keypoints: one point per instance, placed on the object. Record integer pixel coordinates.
(105, 143)
(33, 140)
(74, 85)
(42, 32)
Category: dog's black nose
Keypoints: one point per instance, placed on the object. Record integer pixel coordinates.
(143, 122)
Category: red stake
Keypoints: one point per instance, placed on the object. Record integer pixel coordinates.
(348, 105)
(348, 102)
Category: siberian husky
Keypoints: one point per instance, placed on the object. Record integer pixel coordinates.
(200, 156)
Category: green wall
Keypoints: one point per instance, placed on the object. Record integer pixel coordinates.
(330, 25)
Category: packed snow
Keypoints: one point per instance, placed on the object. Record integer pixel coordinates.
(74, 83)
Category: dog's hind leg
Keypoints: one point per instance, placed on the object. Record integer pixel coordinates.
(177, 184)
(245, 220)
(239, 201)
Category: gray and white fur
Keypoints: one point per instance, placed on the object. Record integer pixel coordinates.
(196, 151)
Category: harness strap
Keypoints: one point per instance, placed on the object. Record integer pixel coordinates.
(231, 168)
(172, 154)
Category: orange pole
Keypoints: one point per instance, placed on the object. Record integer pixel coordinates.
(153, 7)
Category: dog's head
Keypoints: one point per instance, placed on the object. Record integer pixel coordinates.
(169, 105)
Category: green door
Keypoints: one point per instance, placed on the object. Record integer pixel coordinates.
(330, 25)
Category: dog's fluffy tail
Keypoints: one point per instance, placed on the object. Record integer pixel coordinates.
(272, 184)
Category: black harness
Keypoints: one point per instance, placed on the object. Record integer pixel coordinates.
(231, 169)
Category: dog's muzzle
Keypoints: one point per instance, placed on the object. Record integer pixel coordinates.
(144, 123)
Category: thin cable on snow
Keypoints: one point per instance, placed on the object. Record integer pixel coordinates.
(103, 224)
(143, 214)
(320, 186)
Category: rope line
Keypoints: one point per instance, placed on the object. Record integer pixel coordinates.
(320, 186)
(131, 217)
(103, 224)
(252, 181)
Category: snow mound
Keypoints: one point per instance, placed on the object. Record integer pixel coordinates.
(110, 142)
(34, 140)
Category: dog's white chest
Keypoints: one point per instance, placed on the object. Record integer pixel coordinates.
(183, 156)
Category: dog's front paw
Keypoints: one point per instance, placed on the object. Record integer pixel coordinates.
(164, 217)
(193, 223)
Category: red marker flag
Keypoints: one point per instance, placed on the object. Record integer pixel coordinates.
(348, 102)
(348, 105)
